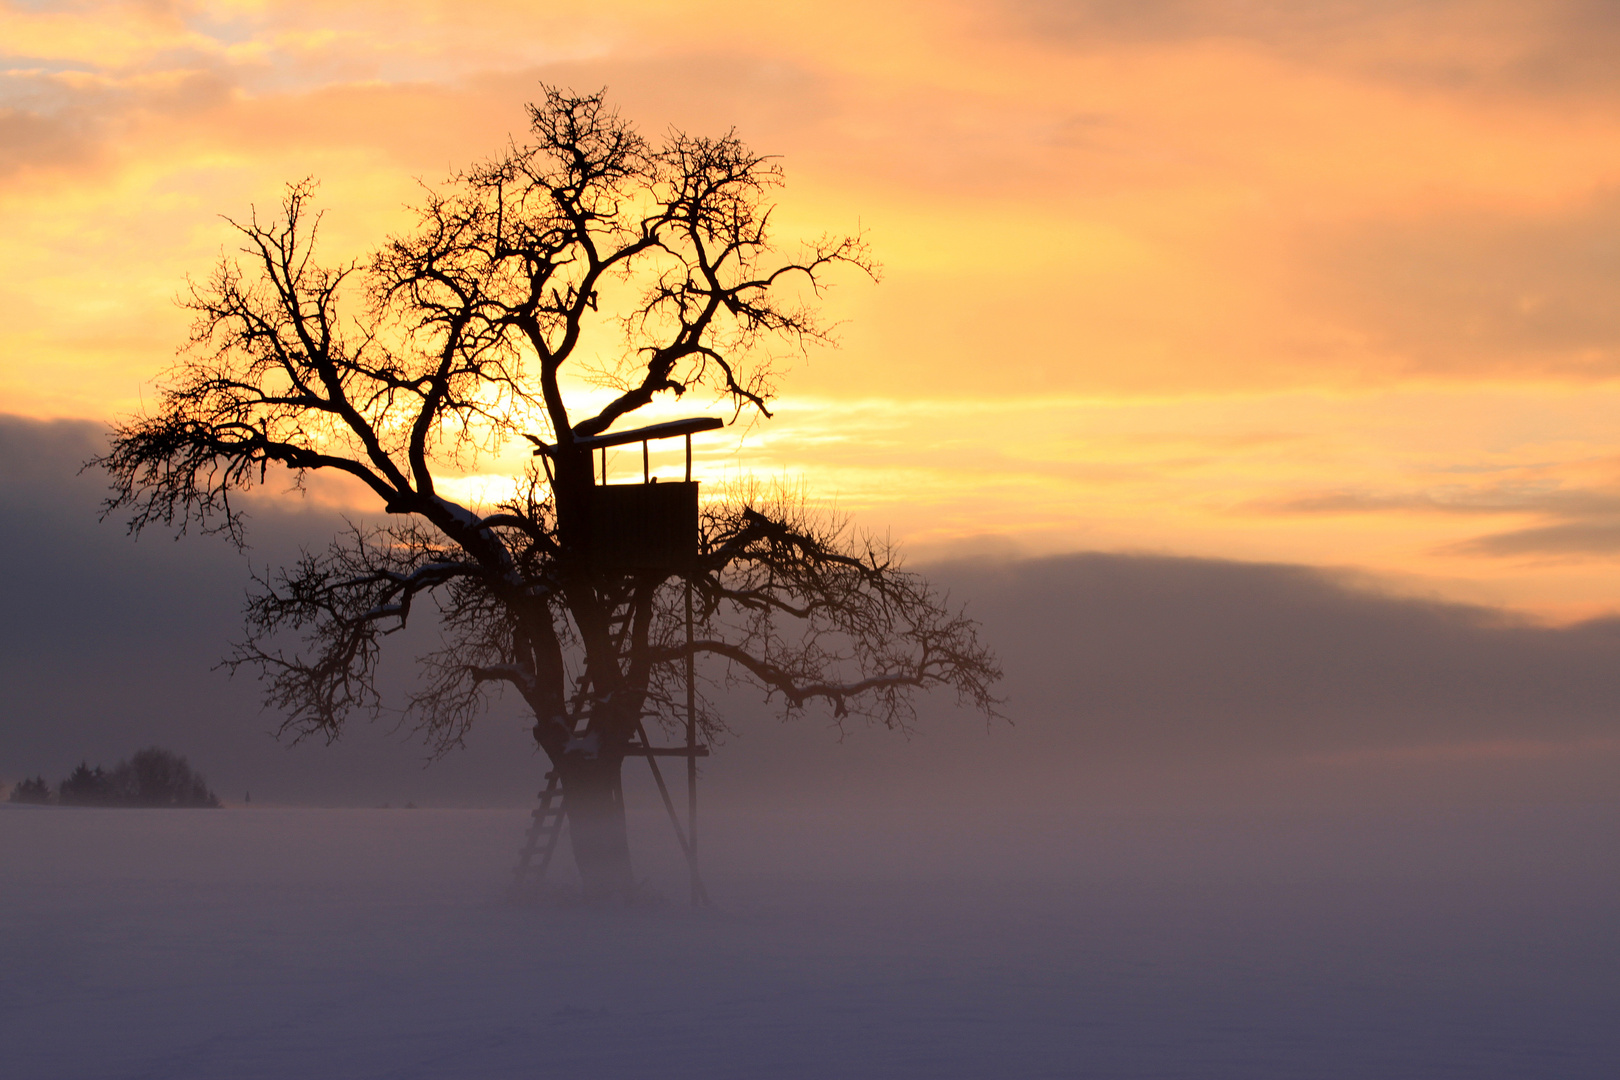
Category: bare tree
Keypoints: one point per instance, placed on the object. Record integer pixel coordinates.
(649, 267)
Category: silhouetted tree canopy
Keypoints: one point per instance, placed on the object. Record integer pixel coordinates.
(153, 778)
(157, 778)
(646, 268)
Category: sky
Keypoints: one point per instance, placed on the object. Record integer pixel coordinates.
(1330, 284)
(1294, 316)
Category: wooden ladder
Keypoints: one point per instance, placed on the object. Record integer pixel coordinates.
(545, 832)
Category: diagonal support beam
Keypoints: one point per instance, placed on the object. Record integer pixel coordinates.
(701, 894)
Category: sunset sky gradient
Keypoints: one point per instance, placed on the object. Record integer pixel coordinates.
(1335, 284)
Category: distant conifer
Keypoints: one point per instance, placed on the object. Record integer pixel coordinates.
(35, 791)
(86, 787)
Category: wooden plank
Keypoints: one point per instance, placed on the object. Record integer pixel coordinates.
(667, 430)
(667, 751)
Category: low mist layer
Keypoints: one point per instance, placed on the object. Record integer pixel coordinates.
(318, 943)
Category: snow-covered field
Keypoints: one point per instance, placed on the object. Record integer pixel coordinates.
(377, 943)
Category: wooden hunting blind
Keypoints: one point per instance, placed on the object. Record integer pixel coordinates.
(648, 525)
(645, 526)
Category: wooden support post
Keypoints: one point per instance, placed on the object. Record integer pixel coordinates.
(691, 748)
(698, 895)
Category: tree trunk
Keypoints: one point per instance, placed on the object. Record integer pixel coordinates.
(596, 826)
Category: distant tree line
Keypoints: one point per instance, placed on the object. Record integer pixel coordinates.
(150, 778)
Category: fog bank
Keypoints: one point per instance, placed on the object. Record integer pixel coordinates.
(1131, 680)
